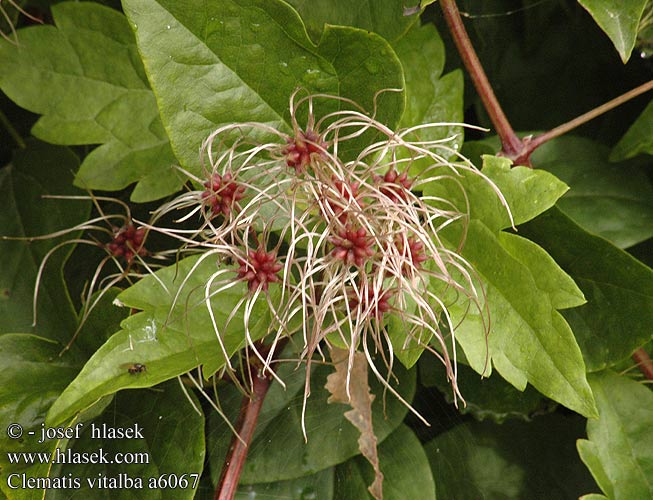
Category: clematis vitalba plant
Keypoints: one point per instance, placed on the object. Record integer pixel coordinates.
(276, 244)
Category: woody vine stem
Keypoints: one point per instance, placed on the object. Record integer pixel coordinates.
(517, 149)
(520, 150)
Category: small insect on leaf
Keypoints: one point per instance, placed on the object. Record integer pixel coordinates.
(134, 368)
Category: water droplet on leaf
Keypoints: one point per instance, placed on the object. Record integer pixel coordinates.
(283, 68)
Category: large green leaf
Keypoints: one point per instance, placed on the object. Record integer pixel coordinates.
(619, 20)
(619, 449)
(172, 444)
(278, 451)
(430, 97)
(405, 468)
(168, 340)
(231, 61)
(86, 79)
(535, 461)
(384, 18)
(528, 341)
(613, 201)
(638, 139)
(36, 171)
(619, 289)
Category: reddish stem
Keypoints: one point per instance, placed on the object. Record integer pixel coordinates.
(512, 145)
(537, 141)
(518, 150)
(644, 362)
(246, 424)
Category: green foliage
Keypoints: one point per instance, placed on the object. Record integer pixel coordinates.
(485, 398)
(618, 289)
(331, 437)
(619, 20)
(125, 94)
(619, 451)
(524, 288)
(404, 465)
(534, 460)
(173, 434)
(430, 95)
(239, 61)
(37, 171)
(385, 18)
(97, 94)
(637, 139)
(609, 200)
(168, 342)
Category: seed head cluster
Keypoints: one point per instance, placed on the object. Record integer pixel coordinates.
(327, 224)
(128, 242)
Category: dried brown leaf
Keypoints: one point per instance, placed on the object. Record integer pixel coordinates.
(358, 396)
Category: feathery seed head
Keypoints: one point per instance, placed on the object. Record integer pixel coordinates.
(260, 269)
(222, 193)
(127, 242)
(302, 148)
(352, 246)
(353, 239)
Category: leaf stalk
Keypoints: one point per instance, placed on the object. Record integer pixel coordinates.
(644, 362)
(518, 150)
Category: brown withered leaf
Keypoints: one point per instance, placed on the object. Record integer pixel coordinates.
(360, 399)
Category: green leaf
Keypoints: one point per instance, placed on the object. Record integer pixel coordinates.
(618, 288)
(37, 171)
(384, 18)
(528, 341)
(239, 61)
(528, 193)
(318, 486)
(613, 201)
(430, 97)
(619, 449)
(168, 340)
(278, 451)
(619, 20)
(405, 468)
(638, 139)
(496, 462)
(103, 321)
(86, 79)
(173, 443)
(549, 277)
(485, 398)
(32, 377)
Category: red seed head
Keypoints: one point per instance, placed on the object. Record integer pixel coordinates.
(353, 246)
(260, 269)
(301, 148)
(395, 186)
(378, 303)
(128, 242)
(414, 251)
(221, 193)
